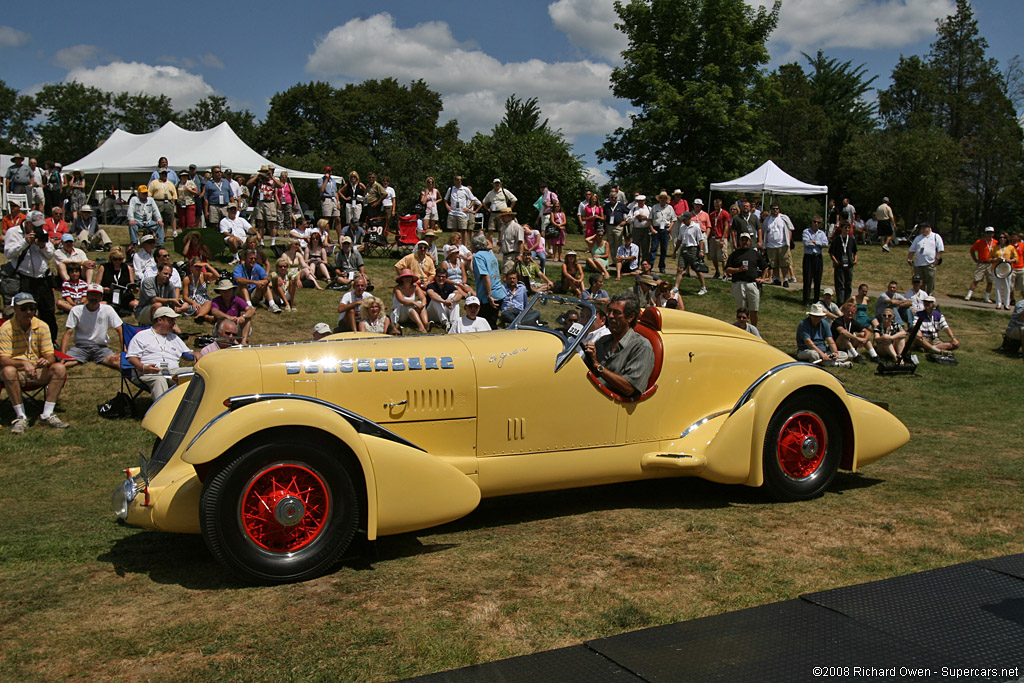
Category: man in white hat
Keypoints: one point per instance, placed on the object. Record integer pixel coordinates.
(814, 342)
(512, 242)
(471, 322)
(981, 252)
(929, 336)
(18, 178)
(494, 202)
(321, 330)
(155, 353)
(87, 231)
(30, 250)
(235, 230)
(419, 262)
(87, 327)
(27, 361)
(639, 222)
(227, 304)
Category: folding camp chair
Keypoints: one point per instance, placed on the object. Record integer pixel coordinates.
(30, 391)
(131, 385)
(407, 236)
(376, 241)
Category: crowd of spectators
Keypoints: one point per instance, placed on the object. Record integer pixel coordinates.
(480, 279)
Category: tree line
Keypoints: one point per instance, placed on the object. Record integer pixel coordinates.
(943, 141)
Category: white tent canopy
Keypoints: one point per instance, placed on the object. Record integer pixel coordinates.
(769, 179)
(219, 146)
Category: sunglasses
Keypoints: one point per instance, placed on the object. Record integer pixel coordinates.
(28, 307)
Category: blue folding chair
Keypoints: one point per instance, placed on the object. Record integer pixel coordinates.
(130, 382)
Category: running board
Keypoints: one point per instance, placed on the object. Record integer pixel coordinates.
(673, 461)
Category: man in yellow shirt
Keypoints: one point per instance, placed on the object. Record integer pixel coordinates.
(27, 360)
(165, 194)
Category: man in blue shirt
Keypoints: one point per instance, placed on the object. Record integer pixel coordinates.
(814, 341)
(257, 284)
(815, 240)
(217, 198)
(487, 274)
(516, 298)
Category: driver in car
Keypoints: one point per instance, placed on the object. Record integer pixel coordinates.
(622, 360)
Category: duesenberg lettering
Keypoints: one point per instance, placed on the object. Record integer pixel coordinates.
(312, 367)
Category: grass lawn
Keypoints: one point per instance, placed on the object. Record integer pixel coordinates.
(87, 598)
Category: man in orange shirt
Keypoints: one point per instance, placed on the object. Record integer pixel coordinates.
(980, 252)
(1018, 269)
(14, 217)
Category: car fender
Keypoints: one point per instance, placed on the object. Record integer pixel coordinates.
(406, 488)
(755, 408)
(159, 415)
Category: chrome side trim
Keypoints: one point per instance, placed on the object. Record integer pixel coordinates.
(205, 427)
(701, 421)
(778, 368)
(362, 425)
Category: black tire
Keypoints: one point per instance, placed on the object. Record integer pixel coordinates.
(276, 513)
(796, 465)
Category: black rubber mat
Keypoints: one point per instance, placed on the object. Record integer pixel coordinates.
(785, 641)
(568, 664)
(1011, 565)
(964, 612)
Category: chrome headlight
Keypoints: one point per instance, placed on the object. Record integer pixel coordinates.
(125, 493)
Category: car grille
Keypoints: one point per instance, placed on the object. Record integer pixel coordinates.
(179, 425)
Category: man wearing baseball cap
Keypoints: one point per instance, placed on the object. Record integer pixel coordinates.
(981, 252)
(471, 322)
(30, 250)
(87, 326)
(321, 330)
(27, 361)
(144, 214)
(155, 353)
(494, 202)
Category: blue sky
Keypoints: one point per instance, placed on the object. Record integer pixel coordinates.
(474, 54)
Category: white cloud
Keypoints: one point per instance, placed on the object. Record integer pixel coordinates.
(184, 88)
(590, 26)
(473, 84)
(12, 37)
(806, 25)
(597, 176)
(80, 56)
(584, 118)
(211, 60)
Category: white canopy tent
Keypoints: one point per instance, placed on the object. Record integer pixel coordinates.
(769, 179)
(219, 146)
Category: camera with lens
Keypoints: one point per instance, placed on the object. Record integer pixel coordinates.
(40, 234)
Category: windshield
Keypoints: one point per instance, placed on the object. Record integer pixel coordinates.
(567, 318)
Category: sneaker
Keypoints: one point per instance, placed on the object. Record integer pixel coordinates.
(968, 297)
(988, 299)
(859, 360)
(885, 248)
(54, 421)
(702, 291)
(19, 425)
(776, 282)
(274, 308)
(785, 283)
(235, 261)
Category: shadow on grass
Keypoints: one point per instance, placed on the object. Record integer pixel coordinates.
(180, 559)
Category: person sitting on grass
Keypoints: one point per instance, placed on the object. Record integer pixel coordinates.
(284, 283)
(418, 263)
(598, 259)
(195, 290)
(743, 322)
(928, 337)
(814, 342)
(850, 335)
(890, 337)
(254, 283)
(227, 304)
(408, 302)
(193, 247)
(316, 259)
(1013, 336)
(67, 253)
(664, 297)
(516, 298)
(72, 291)
(28, 362)
(225, 335)
(535, 278)
(118, 283)
(832, 311)
(456, 268)
(572, 276)
(321, 330)
(87, 326)
(348, 265)
(349, 310)
(442, 300)
(471, 322)
(235, 229)
(157, 291)
(596, 292)
(627, 257)
(144, 260)
(156, 352)
(297, 266)
(374, 319)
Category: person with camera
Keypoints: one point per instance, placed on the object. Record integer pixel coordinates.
(28, 248)
(265, 187)
(28, 361)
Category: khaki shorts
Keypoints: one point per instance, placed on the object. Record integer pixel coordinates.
(353, 212)
(1018, 280)
(779, 257)
(329, 207)
(746, 294)
(718, 249)
(458, 222)
(265, 211)
(983, 271)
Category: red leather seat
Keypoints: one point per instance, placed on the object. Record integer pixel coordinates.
(649, 327)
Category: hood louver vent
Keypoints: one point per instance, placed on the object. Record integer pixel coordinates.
(427, 401)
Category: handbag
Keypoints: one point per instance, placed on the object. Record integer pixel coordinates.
(10, 283)
(700, 266)
(551, 231)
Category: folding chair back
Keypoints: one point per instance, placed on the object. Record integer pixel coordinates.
(130, 383)
(407, 237)
(376, 241)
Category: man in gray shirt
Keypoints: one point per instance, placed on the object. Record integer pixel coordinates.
(623, 360)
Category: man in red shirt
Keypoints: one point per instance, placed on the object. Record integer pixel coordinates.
(718, 240)
(14, 217)
(980, 252)
(55, 226)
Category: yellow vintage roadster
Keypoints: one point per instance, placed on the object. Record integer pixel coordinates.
(280, 454)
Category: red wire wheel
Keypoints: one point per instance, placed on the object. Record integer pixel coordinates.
(284, 507)
(802, 445)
